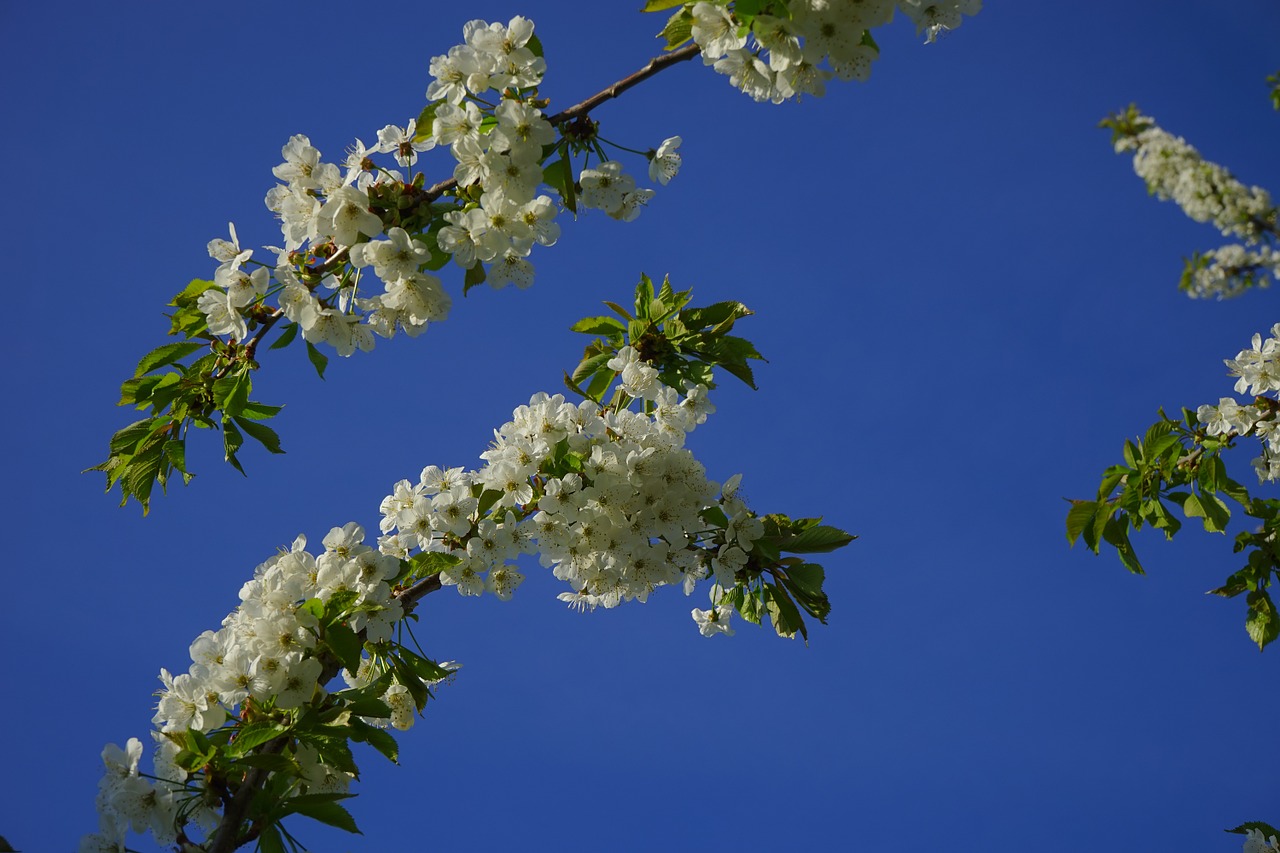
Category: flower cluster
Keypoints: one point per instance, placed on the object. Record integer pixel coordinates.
(776, 57)
(1173, 170)
(610, 500)
(1206, 192)
(1258, 374)
(332, 215)
(501, 160)
(262, 659)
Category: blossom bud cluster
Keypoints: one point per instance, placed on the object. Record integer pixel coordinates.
(611, 501)
(263, 654)
(1258, 372)
(1205, 191)
(788, 57)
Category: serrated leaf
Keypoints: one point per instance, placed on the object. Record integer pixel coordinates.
(431, 562)
(1079, 517)
(254, 735)
(232, 440)
(1262, 623)
(259, 411)
(1116, 533)
(324, 808)
(318, 359)
(604, 326)
(274, 762)
(659, 5)
(819, 539)
(269, 841)
(1265, 828)
(345, 643)
(559, 176)
(783, 613)
(189, 294)
(231, 393)
(286, 337)
(678, 30)
(163, 355)
(474, 277)
(261, 433)
(588, 366)
(377, 738)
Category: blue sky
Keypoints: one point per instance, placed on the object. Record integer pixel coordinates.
(967, 302)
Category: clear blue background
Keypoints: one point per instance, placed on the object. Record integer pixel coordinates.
(967, 301)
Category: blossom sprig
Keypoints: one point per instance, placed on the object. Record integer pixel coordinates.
(775, 50)
(603, 492)
(1180, 462)
(1207, 192)
(362, 242)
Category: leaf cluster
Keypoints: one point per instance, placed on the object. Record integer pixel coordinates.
(258, 749)
(1178, 465)
(781, 587)
(684, 344)
(210, 392)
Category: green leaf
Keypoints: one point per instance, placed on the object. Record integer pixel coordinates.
(318, 359)
(427, 670)
(474, 277)
(254, 735)
(261, 433)
(324, 808)
(232, 440)
(426, 120)
(818, 539)
(167, 354)
(1079, 517)
(128, 438)
(274, 762)
(1116, 533)
(783, 613)
(345, 643)
(1265, 828)
(368, 706)
(559, 176)
(659, 5)
(259, 411)
(431, 562)
(804, 581)
(377, 738)
(406, 676)
(286, 337)
(231, 393)
(269, 840)
(1262, 623)
(678, 30)
(191, 293)
(605, 326)
(590, 365)
(1217, 515)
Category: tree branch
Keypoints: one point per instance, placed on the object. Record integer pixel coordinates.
(657, 64)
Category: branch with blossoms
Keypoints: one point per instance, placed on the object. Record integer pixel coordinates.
(362, 240)
(1179, 463)
(603, 492)
(1173, 170)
